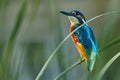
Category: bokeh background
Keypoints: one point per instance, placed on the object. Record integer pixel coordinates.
(43, 28)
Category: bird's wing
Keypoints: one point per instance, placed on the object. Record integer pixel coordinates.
(86, 37)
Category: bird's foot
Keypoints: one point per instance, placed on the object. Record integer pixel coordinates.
(81, 59)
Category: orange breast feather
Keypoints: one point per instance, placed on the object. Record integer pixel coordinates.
(79, 46)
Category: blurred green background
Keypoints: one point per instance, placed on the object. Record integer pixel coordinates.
(40, 31)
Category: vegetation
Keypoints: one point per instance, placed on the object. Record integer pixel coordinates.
(38, 46)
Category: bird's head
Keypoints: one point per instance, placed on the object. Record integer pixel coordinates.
(75, 17)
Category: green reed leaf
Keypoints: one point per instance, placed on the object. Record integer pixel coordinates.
(68, 69)
(14, 32)
(10, 43)
(107, 65)
(113, 42)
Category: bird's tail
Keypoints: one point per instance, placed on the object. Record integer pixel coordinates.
(91, 62)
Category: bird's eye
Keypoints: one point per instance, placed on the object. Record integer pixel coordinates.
(74, 13)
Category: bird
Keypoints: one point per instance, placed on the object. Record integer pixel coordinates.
(83, 38)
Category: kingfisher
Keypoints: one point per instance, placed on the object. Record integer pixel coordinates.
(83, 38)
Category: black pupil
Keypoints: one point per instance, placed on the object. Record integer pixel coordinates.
(74, 13)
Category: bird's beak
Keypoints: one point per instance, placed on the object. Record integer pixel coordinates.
(65, 13)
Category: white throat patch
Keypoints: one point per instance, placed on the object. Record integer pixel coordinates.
(73, 20)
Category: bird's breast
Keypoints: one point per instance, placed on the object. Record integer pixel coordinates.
(78, 45)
